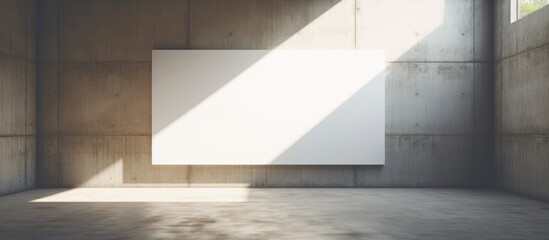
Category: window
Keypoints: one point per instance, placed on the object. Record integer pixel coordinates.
(521, 8)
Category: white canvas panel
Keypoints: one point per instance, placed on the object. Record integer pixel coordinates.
(250, 107)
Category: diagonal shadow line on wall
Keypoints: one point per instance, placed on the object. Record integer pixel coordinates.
(409, 169)
(171, 93)
(348, 120)
(418, 46)
(288, 18)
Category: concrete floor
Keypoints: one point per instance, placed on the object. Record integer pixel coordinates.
(147, 213)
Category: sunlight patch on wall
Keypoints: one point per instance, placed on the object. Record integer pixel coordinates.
(109, 172)
(333, 29)
(410, 30)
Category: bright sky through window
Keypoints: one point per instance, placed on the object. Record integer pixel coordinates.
(526, 7)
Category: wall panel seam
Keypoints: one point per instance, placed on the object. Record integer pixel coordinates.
(435, 135)
(24, 58)
(356, 12)
(26, 87)
(17, 135)
(101, 62)
(525, 51)
(438, 61)
(58, 160)
(511, 135)
(149, 135)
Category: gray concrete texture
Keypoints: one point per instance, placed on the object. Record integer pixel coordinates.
(99, 213)
(17, 95)
(95, 86)
(521, 102)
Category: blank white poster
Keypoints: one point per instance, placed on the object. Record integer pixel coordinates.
(286, 107)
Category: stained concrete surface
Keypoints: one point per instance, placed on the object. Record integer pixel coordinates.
(17, 95)
(521, 102)
(242, 213)
(94, 87)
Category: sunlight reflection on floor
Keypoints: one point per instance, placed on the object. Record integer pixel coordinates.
(176, 195)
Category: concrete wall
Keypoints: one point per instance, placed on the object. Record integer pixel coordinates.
(522, 102)
(95, 86)
(17, 95)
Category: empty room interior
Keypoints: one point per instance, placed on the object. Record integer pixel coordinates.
(274, 119)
